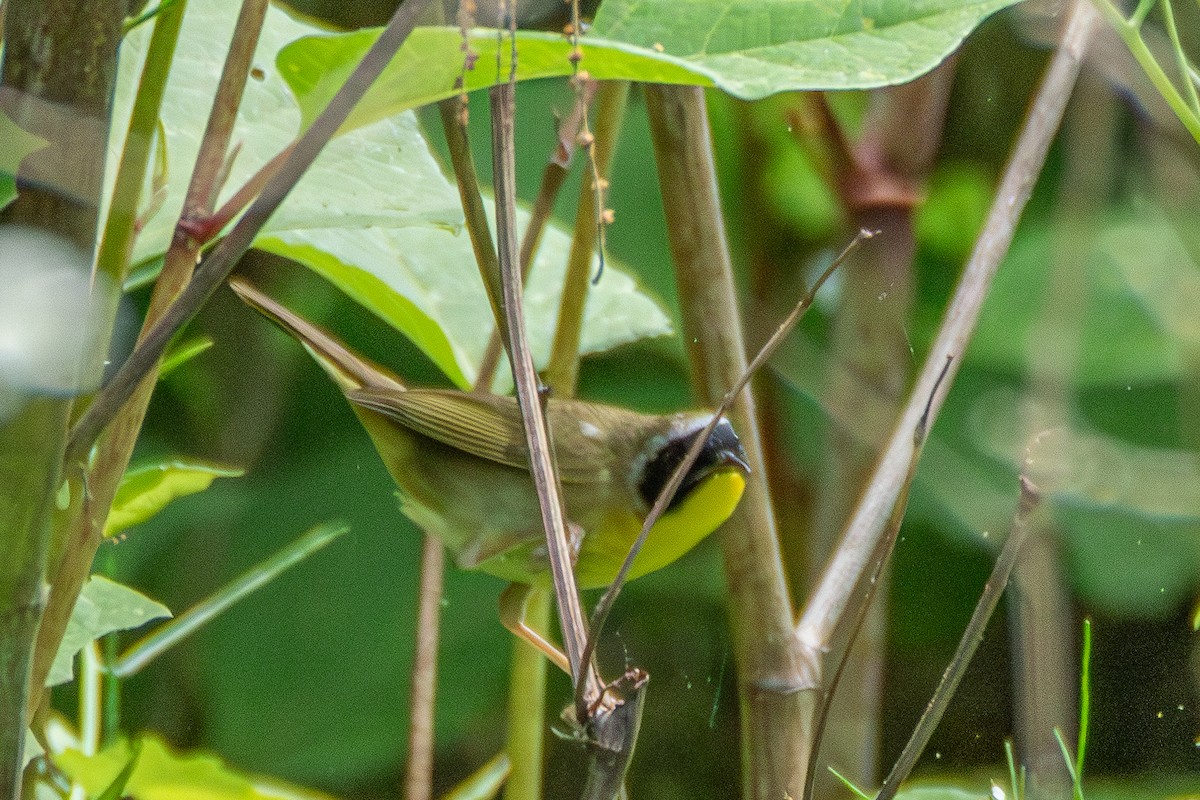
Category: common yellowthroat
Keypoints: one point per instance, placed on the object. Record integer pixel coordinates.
(462, 467)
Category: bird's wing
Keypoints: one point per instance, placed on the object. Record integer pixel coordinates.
(483, 425)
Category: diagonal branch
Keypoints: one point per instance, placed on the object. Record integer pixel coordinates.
(827, 605)
(220, 262)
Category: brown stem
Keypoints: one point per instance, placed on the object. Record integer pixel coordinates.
(418, 781)
(775, 714)
(902, 129)
(112, 456)
(972, 636)
(56, 82)
(545, 476)
(826, 607)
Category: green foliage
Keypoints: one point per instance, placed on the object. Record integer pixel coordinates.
(104, 606)
(116, 789)
(748, 48)
(15, 144)
(162, 773)
(378, 219)
(374, 215)
(147, 489)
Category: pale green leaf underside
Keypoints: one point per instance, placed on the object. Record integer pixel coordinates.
(749, 48)
(452, 321)
(146, 490)
(163, 773)
(104, 606)
(374, 215)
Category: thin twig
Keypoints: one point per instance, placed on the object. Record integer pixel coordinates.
(972, 636)
(826, 606)
(418, 778)
(887, 545)
(667, 493)
(217, 266)
(545, 475)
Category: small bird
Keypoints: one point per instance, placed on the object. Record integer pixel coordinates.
(462, 467)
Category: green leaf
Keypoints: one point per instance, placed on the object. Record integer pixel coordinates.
(162, 773)
(1119, 302)
(104, 606)
(116, 789)
(8, 189)
(749, 48)
(182, 353)
(753, 48)
(147, 489)
(424, 282)
(375, 215)
(15, 144)
(33, 748)
(935, 792)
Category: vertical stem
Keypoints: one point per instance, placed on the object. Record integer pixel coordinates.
(564, 355)
(56, 82)
(418, 783)
(570, 610)
(31, 446)
(526, 706)
(827, 605)
(775, 715)
(116, 448)
(878, 184)
(1041, 622)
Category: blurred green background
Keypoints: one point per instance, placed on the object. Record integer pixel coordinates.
(308, 679)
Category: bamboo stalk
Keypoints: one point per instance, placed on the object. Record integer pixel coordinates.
(50, 62)
(775, 714)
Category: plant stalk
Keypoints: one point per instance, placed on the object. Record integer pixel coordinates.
(56, 83)
(111, 459)
(878, 181)
(827, 605)
(418, 781)
(775, 715)
(563, 371)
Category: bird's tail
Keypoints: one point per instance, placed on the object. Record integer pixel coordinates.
(348, 369)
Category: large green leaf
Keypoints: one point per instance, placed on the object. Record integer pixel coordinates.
(165, 774)
(749, 48)
(1119, 302)
(147, 489)
(104, 606)
(374, 215)
(428, 287)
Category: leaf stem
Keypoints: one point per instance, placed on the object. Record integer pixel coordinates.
(1130, 33)
(158, 641)
(968, 644)
(1181, 58)
(611, 99)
